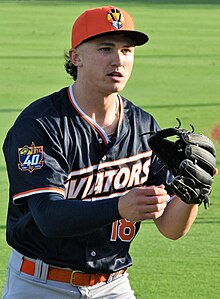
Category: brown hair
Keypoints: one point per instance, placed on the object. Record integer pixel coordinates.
(71, 69)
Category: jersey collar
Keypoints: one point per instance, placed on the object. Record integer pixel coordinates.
(88, 119)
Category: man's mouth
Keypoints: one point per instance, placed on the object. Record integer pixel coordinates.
(115, 74)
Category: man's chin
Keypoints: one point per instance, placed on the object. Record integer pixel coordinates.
(118, 87)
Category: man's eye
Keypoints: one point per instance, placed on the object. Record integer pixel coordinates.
(105, 49)
(125, 51)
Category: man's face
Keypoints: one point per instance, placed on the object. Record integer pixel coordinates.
(105, 63)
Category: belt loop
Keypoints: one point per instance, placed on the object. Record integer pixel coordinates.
(41, 270)
(44, 271)
(37, 269)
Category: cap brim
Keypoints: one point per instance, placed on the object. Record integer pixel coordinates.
(139, 38)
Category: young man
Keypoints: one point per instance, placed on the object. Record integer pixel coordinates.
(82, 176)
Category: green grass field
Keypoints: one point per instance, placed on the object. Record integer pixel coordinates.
(177, 74)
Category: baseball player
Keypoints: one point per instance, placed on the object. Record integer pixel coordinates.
(82, 175)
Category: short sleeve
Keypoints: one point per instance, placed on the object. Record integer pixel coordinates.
(35, 160)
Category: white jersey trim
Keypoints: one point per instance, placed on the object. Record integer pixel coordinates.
(86, 117)
(111, 163)
(36, 191)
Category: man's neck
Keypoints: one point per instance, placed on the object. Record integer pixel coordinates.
(103, 109)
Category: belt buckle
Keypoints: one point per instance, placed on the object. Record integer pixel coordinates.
(72, 276)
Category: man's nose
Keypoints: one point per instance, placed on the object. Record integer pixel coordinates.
(118, 59)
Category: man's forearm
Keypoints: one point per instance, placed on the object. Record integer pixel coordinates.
(176, 219)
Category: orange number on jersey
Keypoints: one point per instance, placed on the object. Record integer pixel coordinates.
(124, 229)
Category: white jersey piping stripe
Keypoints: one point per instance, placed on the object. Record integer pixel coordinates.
(38, 191)
(87, 118)
(112, 195)
(111, 163)
(116, 195)
(126, 160)
(119, 194)
(83, 171)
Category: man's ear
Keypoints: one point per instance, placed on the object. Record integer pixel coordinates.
(75, 57)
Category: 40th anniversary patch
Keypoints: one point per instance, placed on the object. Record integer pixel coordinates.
(30, 157)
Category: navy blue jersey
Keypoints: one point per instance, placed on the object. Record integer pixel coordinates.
(55, 148)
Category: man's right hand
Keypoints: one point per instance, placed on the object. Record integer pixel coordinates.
(143, 203)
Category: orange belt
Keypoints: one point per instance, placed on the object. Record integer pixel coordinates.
(73, 277)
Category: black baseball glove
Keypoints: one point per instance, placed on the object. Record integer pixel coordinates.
(191, 160)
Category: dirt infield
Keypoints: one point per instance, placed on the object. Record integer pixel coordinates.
(216, 133)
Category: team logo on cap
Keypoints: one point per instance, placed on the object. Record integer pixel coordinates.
(30, 157)
(115, 17)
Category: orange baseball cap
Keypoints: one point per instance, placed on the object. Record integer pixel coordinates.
(106, 20)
